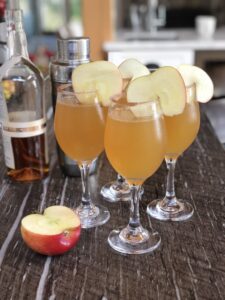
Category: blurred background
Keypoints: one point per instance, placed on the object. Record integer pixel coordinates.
(157, 32)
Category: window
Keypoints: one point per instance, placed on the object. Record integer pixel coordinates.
(54, 14)
(48, 16)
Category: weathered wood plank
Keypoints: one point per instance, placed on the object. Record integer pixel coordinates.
(190, 263)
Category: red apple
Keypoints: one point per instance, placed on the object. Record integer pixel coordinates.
(54, 232)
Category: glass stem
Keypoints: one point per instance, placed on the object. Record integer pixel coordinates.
(86, 198)
(134, 221)
(170, 188)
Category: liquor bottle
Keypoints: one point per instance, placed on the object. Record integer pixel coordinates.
(22, 107)
(70, 53)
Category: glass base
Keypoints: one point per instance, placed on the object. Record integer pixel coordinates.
(125, 242)
(92, 215)
(115, 191)
(160, 210)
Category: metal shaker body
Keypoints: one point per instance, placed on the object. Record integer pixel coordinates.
(70, 54)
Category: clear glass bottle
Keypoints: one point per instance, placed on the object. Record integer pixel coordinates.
(22, 107)
(71, 53)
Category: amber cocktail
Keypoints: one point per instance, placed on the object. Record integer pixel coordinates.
(79, 128)
(181, 130)
(117, 190)
(134, 144)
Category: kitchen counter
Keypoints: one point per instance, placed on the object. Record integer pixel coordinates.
(183, 39)
(189, 264)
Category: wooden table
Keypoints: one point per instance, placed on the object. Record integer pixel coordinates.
(190, 263)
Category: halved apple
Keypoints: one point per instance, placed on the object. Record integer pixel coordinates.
(132, 68)
(101, 76)
(55, 232)
(165, 84)
(204, 85)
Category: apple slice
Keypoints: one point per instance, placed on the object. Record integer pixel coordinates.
(132, 68)
(101, 76)
(54, 232)
(143, 110)
(204, 85)
(165, 84)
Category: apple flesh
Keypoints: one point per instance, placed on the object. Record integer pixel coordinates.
(100, 76)
(55, 232)
(165, 85)
(195, 75)
(131, 68)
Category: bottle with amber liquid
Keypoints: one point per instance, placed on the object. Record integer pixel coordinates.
(22, 107)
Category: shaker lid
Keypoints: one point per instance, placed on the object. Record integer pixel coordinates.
(72, 49)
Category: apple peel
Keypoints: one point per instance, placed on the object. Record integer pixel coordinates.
(195, 75)
(55, 232)
(165, 85)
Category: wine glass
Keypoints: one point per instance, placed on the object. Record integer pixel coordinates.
(181, 130)
(117, 190)
(79, 128)
(134, 145)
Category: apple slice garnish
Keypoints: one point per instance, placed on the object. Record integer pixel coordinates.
(165, 84)
(55, 232)
(204, 85)
(100, 76)
(131, 68)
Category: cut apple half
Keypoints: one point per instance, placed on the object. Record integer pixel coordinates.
(100, 76)
(54, 232)
(204, 85)
(131, 68)
(165, 84)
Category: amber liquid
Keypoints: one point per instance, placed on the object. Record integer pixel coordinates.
(30, 158)
(182, 130)
(135, 148)
(79, 130)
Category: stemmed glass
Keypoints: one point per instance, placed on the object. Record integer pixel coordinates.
(134, 145)
(117, 190)
(79, 128)
(181, 130)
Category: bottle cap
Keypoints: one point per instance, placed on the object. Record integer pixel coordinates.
(73, 49)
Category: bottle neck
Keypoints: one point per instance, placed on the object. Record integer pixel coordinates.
(17, 41)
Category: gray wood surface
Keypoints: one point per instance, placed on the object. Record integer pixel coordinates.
(190, 263)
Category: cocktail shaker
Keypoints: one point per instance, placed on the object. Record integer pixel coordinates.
(71, 53)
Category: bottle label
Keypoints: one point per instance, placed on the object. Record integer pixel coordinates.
(23, 129)
(20, 130)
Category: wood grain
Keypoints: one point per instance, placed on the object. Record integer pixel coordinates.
(190, 263)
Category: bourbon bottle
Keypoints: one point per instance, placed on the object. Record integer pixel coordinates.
(22, 107)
